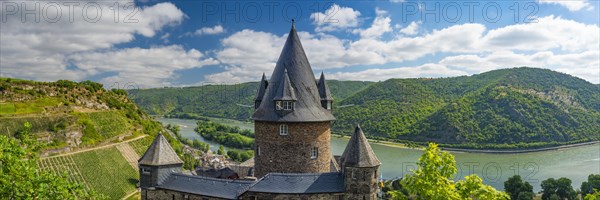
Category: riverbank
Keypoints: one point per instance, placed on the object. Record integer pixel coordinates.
(463, 150)
(513, 151)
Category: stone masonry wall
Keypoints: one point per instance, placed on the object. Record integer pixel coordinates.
(291, 153)
(361, 183)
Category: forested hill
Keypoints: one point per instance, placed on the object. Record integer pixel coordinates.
(508, 108)
(520, 107)
(68, 115)
(225, 101)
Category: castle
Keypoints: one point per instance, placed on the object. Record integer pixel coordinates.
(293, 160)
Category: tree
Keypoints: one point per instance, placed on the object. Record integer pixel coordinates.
(558, 188)
(221, 150)
(518, 189)
(19, 178)
(433, 180)
(472, 187)
(593, 196)
(593, 182)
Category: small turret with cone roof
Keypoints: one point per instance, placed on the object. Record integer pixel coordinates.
(158, 161)
(360, 167)
(262, 86)
(326, 98)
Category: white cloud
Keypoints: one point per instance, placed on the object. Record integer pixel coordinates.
(428, 70)
(210, 30)
(548, 33)
(380, 26)
(411, 29)
(472, 48)
(48, 51)
(153, 67)
(335, 18)
(571, 5)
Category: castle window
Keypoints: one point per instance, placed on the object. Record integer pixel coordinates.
(288, 105)
(284, 105)
(283, 129)
(257, 150)
(328, 105)
(314, 153)
(145, 170)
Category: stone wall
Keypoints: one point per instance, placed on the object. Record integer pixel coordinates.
(160, 194)
(267, 196)
(291, 153)
(361, 183)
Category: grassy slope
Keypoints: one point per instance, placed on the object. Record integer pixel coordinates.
(65, 113)
(59, 109)
(103, 170)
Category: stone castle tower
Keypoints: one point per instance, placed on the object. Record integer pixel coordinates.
(293, 116)
(359, 166)
(157, 163)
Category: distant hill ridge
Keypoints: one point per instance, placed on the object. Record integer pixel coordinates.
(507, 108)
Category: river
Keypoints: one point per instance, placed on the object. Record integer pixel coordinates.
(575, 163)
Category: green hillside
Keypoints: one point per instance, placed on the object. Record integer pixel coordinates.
(521, 107)
(224, 101)
(71, 114)
(83, 120)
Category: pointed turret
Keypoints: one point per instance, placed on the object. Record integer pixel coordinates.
(158, 162)
(160, 152)
(326, 98)
(358, 152)
(262, 86)
(285, 91)
(360, 167)
(300, 76)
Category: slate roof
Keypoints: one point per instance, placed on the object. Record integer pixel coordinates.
(358, 152)
(160, 153)
(308, 105)
(285, 92)
(324, 89)
(213, 187)
(289, 183)
(261, 88)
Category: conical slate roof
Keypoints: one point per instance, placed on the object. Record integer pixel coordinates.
(324, 89)
(301, 78)
(358, 152)
(160, 152)
(261, 88)
(285, 92)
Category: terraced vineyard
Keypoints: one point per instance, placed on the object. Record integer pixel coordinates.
(104, 170)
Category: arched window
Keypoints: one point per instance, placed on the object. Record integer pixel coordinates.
(283, 129)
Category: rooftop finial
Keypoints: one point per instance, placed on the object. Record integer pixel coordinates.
(293, 26)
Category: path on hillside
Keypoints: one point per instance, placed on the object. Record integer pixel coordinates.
(129, 154)
(100, 147)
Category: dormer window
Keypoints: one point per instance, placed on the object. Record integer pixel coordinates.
(328, 106)
(283, 129)
(145, 170)
(284, 105)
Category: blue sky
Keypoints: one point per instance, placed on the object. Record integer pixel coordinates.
(180, 43)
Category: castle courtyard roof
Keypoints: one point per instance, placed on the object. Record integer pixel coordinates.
(306, 183)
